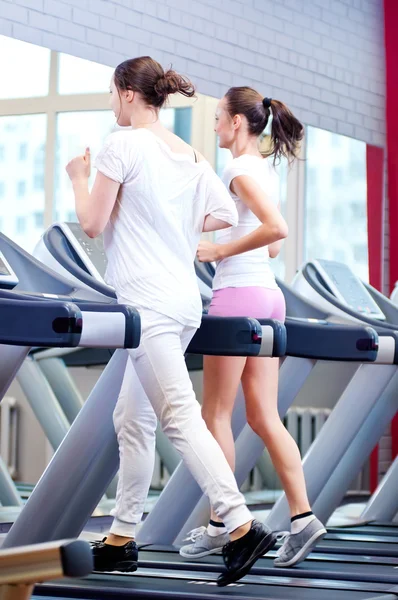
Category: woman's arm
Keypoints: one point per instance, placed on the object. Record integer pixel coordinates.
(275, 248)
(272, 229)
(213, 224)
(93, 209)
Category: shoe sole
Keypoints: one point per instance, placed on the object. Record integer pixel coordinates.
(305, 550)
(122, 567)
(201, 554)
(262, 548)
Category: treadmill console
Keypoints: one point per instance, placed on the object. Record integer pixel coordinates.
(91, 251)
(348, 288)
(8, 278)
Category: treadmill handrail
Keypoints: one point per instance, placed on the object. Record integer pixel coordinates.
(236, 336)
(132, 316)
(37, 323)
(43, 562)
(55, 239)
(19, 259)
(323, 340)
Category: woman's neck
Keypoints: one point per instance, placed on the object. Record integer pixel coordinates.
(246, 145)
(147, 119)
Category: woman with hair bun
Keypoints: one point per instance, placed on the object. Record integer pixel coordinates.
(152, 197)
(244, 285)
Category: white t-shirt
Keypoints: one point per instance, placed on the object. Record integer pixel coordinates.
(249, 268)
(154, 229)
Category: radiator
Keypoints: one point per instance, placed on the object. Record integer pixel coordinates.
(9, 419)
(303, 424)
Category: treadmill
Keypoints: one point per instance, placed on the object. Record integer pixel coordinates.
(163, 579)
(25, 321)
(331, 284)
(119, 327)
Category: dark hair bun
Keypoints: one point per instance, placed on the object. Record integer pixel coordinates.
(172, 83)
(147, 77)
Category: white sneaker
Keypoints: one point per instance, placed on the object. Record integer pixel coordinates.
(203, 543)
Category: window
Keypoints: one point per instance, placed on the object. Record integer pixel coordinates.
(2, 153)
(278, 264)
(21, 225)
(21, 188)
(2, 189)
(182, 122)
(38, 218)
(75, 131)
(335, 201)
(78, 76)
(17, 177)
(25, 73)
(39, 167)
(23, 152)
(38, 182)
(223, 156)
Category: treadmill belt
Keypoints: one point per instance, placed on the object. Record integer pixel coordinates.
(353, 536)
(310, 568)
(202, 585)
(355, 547)
(367, 530)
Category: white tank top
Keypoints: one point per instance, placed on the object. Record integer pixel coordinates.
(250, 268)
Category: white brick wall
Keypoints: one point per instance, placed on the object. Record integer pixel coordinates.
(324, 57)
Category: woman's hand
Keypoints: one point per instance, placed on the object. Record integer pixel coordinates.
(209, 252)
(79, 167)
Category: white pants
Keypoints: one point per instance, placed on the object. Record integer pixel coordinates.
(157, 386)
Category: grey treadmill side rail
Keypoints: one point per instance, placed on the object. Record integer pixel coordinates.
(43, 402)
(11, 358)
(344, 423)
(383, 505)
(80, 470)
(67, 395)
(356, 455)
(9, 495)
(63, 386)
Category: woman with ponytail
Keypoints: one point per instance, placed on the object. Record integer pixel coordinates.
(152, 197)
(244, 285)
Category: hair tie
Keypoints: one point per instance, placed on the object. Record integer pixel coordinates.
(267, 102)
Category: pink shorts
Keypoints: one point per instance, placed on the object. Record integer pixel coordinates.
(256, 302)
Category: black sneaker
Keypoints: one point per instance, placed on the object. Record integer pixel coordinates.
(115, 558)
(240, 555)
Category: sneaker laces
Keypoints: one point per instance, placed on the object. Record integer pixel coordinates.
(282, 536)
(98, 543)
(195, 534)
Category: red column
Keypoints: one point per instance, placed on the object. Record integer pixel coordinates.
(391, 50)
(375, 206)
